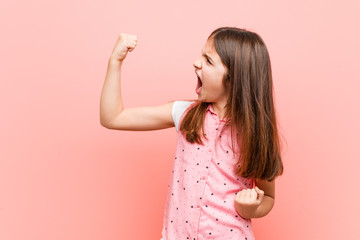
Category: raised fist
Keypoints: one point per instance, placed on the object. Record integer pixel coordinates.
(126, 42)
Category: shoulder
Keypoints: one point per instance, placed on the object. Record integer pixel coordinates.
(178, 110)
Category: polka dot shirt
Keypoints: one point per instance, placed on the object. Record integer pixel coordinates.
(203, 184)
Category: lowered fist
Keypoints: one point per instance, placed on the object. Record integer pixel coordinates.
(247, 201)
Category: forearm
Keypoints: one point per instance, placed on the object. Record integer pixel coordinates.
(111, 101)
(263, 209)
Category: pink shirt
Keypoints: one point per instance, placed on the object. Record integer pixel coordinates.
(202, 188)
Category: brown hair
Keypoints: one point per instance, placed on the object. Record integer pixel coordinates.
(250, 107)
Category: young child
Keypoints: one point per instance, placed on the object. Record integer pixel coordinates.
(228, 150)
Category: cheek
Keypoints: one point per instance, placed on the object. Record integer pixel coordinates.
(212, 79)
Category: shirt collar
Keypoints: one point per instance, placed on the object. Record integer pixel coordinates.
(211, 110)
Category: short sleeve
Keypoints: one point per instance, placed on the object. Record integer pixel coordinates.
(178, 110)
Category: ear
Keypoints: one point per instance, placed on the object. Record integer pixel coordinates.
(227, 80)
(227, 75)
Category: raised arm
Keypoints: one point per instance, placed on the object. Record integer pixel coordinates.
(113, 115)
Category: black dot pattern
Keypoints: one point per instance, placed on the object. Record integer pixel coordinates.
(203, 186)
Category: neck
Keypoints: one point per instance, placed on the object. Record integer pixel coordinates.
(219, 108)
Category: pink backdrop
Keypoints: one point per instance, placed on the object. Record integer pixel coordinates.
(64, 176)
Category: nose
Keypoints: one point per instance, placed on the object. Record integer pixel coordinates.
(197, 64)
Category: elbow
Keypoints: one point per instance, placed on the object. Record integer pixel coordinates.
(109, 121)
(105, 123)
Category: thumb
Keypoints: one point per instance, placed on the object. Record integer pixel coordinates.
(260, 192)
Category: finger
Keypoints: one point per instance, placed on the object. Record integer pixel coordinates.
(122, 35)
(131, 45)
(132, 39)
(261, 194)
(247, 195)
(240, 196)
(133, 36)
(237, 197)
(259, 191)
(254, 195)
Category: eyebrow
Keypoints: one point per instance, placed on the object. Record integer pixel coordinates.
(204, 54)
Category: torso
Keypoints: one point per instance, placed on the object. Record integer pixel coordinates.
(202, 188)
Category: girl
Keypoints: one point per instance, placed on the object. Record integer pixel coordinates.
(228, 150)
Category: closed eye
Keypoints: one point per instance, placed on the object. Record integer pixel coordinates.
(207, 58)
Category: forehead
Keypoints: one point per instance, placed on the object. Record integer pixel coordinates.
(209, 46)
(209, 49)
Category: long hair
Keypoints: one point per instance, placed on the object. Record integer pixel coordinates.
(250, 105)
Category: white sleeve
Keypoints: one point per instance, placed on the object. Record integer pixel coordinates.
(178, 109)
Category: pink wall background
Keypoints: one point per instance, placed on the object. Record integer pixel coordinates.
(64, 176)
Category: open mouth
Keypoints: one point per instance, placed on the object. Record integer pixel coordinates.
(198, 86)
